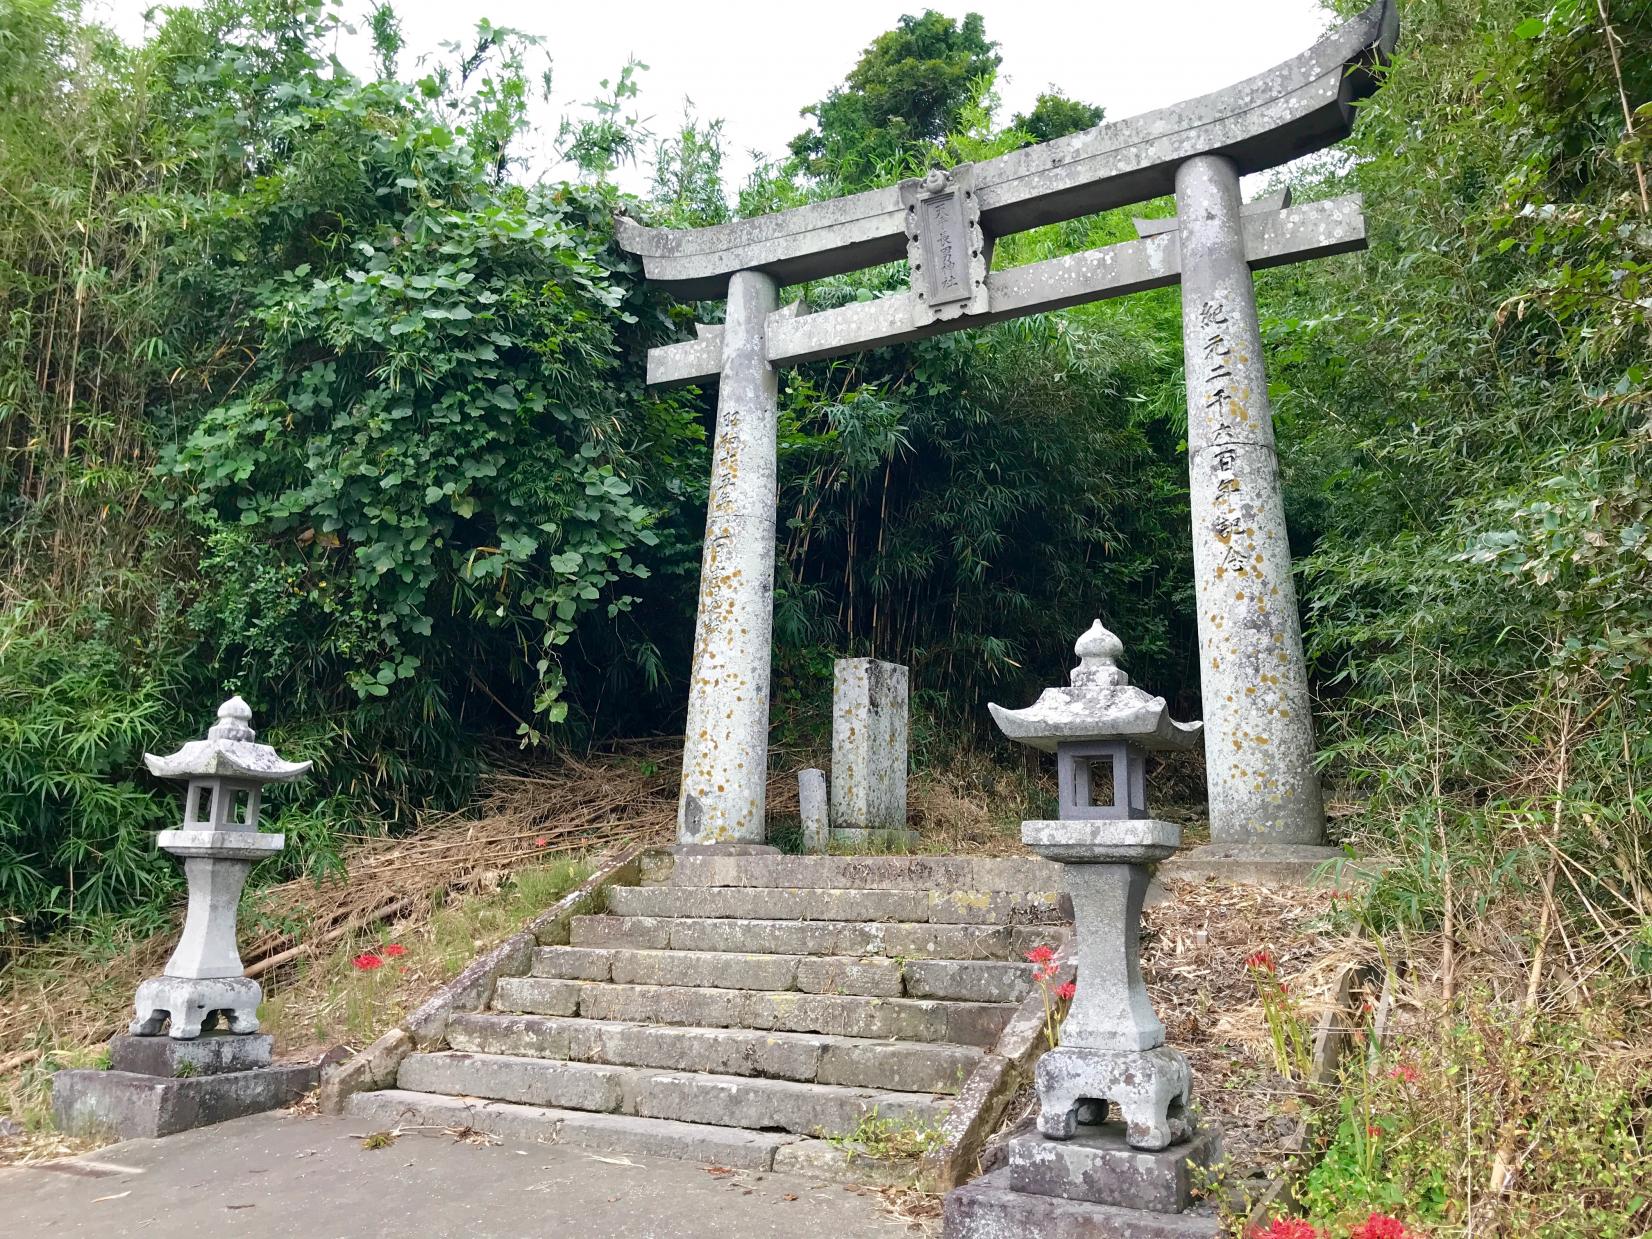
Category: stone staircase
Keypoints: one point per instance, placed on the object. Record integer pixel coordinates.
(804, 1014)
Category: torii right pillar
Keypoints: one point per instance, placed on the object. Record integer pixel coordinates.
(1265, 802)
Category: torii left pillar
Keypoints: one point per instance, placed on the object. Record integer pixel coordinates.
(726, 742)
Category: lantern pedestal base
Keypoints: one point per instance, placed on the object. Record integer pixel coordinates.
(1099, 1166)
(129, 1105)
(194, 1003)
(1148, 1089)
(989, 1208)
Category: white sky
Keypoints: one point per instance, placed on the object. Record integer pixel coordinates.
(756, 63)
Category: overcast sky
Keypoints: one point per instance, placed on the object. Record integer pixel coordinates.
(755, 63)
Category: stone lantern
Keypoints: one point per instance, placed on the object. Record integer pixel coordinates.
(1112, 1062)
(219, 842)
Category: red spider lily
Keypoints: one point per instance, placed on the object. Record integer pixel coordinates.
(367, 962)
(1041, 954)
(394, 949)
(1067, 991)
(1405, 1073)
(1380, 1226)
(1260, 960)
(541, 842)
(1286, 1228)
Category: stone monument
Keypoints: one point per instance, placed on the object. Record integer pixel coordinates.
(869, 721)
(194, 1075)
(1263, 788)
(1081, 1173)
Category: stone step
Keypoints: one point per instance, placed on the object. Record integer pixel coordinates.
(948, 907)
(901, 1066)
(780, 1152)
(753, 1103)
(843, 1015)
(964, 980)
(910, 873)
(781, 937)
(603, 1133)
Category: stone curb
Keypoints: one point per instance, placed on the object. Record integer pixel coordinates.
(375, 1067)
(981, 1102)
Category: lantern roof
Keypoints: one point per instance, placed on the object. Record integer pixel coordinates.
(228, 751)
(1099, 704)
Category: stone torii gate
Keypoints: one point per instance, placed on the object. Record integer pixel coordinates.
(1260, 751)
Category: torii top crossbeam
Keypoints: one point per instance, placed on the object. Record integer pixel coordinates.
(1260, 753)
(1292, 109)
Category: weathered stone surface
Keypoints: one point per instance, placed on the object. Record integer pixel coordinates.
(1289, 110)
(911, 873)
(1261, 864)
(894, 1065)
(208, 1054)
(188, 1005)
(967, 981)
(1148, 1089)
(1112, 1010)
(666, 1004)
(837, 974)
(609, 1133)
(1098, 1165)
(372, 1068)
(720, 1145)
(637, 931)
(529, 1081)
(989, 1209)
(522, 1036)
(574, 963)
(538, 995)
(128, 1106)
(907, 1019)
(869, 715)
(770, 903)
(705, 968)
(807, 1109)
(726, 741)
(1260, 760)
(876, 842)
(813, 808)
(898, 1065)
(996, 907)
(1314, 230)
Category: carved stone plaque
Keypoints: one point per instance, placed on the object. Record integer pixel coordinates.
(945, 248)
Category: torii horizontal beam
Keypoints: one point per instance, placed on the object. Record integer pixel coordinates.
(794, 335)
(1299, 106)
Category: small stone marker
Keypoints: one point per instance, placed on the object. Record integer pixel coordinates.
(157, 1086)
(1080, 1174)
(811, 803)
(869, 704)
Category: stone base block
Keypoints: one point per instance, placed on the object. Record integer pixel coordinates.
(191, 1004)
(126, 1105)
(875, 840)
(1261, 864)
(989, 1209)
(208, 1055)
(1098, 1165)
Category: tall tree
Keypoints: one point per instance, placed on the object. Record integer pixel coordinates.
(905, 94)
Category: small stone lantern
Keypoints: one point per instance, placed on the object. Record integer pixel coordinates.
(1112, 1049)
(219, 842)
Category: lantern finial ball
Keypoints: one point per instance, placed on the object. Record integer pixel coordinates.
(234, 719)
